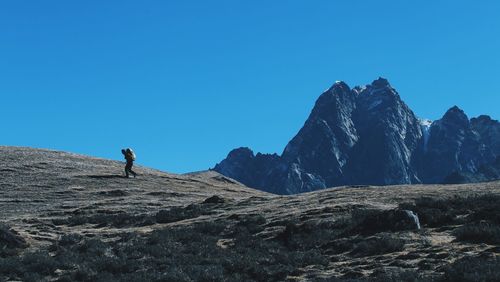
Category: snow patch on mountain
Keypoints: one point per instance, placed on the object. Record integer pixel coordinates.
(359, 89)
(425, 125)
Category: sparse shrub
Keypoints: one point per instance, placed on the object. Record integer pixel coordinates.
(182, 253)
(257, 219)
(69, 239)
(473, 269)
(179, 213)
(34, 277)
(120, 219)
(77, 220)
(377, 246)
(432, 212)
(399, 276)
(309, 257)
(436, 212)
(487, 211)
(303, 236)
(483, 232)
(338, 246)
(83, 273)
(113, 264)
(10, 241)
(39, 262)
(93, 247)
(11, 265)
(368, 221)
(60, 221)
(210, 227)
(254, 223)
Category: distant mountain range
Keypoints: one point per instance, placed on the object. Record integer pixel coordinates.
(368, 136)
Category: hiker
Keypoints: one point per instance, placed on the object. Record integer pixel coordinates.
(130, 157)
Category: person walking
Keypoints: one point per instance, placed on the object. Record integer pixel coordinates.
(130, 158)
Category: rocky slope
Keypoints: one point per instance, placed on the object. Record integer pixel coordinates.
(484, 173)
(368, 135)
(65, 217)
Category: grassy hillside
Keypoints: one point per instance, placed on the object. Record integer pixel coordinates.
(66, 217)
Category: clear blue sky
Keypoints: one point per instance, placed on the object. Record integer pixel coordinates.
(184, 82)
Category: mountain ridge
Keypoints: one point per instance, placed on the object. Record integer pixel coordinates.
(367, 135)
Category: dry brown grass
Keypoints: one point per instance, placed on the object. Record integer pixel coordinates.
(82, 222)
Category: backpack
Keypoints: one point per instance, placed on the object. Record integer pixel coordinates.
(131, 153)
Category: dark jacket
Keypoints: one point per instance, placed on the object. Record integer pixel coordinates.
(128, 156)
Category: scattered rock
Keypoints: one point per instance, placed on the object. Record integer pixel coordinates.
(224, 179)
(225, 243)
(413, 216)
(214, 200)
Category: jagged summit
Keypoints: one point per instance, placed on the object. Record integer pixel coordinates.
(489, 129)
(484, 119)
(242, 152)
(368, 135)
(456, 116)
(455, 110)
(381, 82)
(337, 87)
(378, 83)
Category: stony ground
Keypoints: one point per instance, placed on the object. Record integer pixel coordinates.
(66, 217)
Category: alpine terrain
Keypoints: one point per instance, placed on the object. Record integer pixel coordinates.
(369, 136)
(67, 217)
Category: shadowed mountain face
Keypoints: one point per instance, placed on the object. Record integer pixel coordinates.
(455, 146)
(66, 217)
(368, 135)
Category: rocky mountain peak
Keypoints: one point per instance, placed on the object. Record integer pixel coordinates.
(456, 116)
(484, 119)
(380, 90)
(489, 130)
(339, 95)
(341, 84)
(338, 88)
(241, 153)
(381, 83)
(236, 163)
